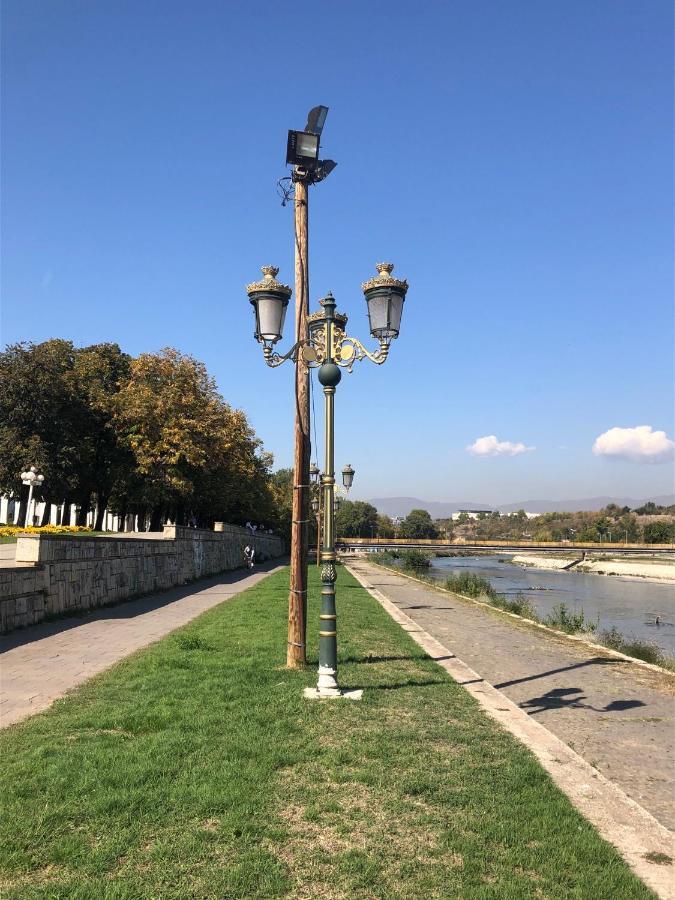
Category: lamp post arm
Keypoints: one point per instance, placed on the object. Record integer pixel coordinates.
(349, 350)
(273, 359)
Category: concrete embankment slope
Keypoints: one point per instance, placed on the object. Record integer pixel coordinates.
(656, 570)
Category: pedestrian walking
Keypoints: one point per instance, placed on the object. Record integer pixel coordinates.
(249, 556)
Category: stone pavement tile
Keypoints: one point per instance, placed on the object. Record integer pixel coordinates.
(41, 663)
(618, 716)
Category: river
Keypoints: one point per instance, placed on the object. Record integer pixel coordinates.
(629, 604)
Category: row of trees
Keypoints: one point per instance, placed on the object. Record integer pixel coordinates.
(618, 524)
(149, 435)
(612, 524)
(359, 519)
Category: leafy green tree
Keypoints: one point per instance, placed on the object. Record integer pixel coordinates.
(355, 518)
(98, 374)
(41, 420)
(385, 527)
(659, 532)
(194, 455)
(418, 524)
(281, 484)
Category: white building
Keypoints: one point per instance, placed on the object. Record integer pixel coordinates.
(471, 513)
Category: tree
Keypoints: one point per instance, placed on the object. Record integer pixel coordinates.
(282, 493)
(659, 532)
(98, 374)
(385, 527)
(41, 420)
(194, 455)
(418, 524)
(355, 518)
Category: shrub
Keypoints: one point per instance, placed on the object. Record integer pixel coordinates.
(519, 605)
(414, 559)
(471, 585)
(632, 646)
(565, 620)
(13, 530)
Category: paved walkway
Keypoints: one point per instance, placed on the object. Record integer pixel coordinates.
(39, 664)
(618, 716)
(7, 556)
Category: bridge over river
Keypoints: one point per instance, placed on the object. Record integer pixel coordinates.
(347, 544)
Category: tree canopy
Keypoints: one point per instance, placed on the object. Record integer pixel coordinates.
(149, 435)
(355, 518)
(418, 524)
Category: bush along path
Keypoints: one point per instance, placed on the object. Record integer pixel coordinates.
(196, 768)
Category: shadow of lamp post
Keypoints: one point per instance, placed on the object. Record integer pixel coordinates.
(329, 349)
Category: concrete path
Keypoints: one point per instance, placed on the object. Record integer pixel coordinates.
(7, 556)
(618, 716)
(39, 664)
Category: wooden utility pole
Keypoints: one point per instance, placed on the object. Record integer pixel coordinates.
(297, 601)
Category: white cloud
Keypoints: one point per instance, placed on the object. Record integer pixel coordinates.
(490, 446)
(639, 444)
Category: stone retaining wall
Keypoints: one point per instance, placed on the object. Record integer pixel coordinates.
(57, 574)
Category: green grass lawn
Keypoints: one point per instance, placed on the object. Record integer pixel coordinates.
(196, 769)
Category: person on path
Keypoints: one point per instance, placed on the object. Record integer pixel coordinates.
(249, 556)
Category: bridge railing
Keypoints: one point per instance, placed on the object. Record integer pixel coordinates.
(464, 544)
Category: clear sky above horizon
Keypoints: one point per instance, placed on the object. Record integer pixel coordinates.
(513, 159)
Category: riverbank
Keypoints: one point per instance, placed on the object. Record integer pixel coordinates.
(657, 570)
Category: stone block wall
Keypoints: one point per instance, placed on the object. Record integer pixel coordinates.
(58, 574)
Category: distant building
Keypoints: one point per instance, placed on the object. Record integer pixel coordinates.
(471, 513)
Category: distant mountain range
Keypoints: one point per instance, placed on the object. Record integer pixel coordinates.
(401, 506)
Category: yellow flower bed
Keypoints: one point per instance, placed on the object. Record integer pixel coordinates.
(11, 530)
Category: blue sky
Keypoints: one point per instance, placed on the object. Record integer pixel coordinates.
(513, 159)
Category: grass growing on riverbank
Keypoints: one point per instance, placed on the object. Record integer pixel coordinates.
(195, 768)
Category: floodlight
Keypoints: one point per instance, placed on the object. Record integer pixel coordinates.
(324, 169)
(316, 119)
(302, 149)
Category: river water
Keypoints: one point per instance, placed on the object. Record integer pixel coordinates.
(629, 604)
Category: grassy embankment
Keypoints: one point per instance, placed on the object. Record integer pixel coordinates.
(195, 768)
(469, 584)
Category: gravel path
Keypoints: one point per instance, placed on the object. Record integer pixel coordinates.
(618, 716)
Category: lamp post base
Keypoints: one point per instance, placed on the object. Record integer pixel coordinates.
(315, 694)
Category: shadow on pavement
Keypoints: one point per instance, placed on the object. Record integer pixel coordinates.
(129, 609)
(595, 661)
(572, 698)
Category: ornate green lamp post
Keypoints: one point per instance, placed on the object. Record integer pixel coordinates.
(329, 349)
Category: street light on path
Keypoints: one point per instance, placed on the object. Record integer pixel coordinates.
(315, 477)
(329, 349)
(33, 480)
(302, 153)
